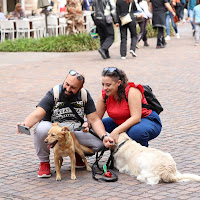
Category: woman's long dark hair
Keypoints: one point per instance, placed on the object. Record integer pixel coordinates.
(118, 75)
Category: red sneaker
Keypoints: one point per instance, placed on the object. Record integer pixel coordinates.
(44, 170)
(79, 161)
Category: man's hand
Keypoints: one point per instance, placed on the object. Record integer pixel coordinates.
(108, 142)
(117, 25)
(19, 123)
(87, 126)
(174, 14)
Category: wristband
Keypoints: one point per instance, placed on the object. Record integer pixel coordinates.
(88, 124)
(102, 138)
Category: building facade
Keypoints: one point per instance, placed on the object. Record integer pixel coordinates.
(27, 5)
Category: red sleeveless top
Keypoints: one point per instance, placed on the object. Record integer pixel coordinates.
(120, 112)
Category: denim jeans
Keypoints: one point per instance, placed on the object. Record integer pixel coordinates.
(148, 129)
(170, 16)
(191, 18)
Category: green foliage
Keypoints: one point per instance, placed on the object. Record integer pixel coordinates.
(62, 43)
(151, 32)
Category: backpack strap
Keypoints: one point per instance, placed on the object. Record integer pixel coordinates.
(84, 96)
(57, 90)
(56, 93)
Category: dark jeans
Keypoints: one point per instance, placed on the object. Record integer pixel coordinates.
(123, 31)
(143, 30)
(160, 36)
(106, 33)
(148, 129)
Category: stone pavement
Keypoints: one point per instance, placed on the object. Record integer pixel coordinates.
(173, 73)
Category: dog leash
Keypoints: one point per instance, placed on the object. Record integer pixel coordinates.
(109, 175)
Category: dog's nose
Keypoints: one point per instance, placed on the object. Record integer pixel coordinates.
(45, 141)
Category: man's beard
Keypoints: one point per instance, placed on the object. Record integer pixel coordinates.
(71, 94)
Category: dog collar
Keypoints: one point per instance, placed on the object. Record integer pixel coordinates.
(121, 144)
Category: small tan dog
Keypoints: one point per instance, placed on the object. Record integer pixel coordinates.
(65, 144)
(147, 164)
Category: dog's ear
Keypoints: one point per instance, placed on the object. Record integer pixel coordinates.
(64, 129)
(55, 124)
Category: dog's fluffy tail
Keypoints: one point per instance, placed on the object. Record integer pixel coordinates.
(86, 149)
(186, 177)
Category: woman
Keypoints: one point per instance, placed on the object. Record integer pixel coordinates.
(122, 8)
(158, 7)
(123, 102)
(143, 24)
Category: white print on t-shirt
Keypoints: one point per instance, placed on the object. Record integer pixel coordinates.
(65, 115)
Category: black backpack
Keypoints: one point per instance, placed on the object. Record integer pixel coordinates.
(153, 103)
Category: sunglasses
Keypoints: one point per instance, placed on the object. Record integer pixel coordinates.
(111, 70)
(79, 76)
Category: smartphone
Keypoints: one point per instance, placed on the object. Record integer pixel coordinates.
(24, 129)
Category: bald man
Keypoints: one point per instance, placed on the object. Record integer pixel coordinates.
(48, 111)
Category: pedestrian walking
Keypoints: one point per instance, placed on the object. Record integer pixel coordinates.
(143, 24)
(104, 14)
(127, 8)
(196, 22)
(158, 8)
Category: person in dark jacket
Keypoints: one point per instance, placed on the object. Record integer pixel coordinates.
(104, 13)
(158, 8)
(122, 8)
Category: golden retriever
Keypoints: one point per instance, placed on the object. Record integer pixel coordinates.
(149, 165)
(65, 144)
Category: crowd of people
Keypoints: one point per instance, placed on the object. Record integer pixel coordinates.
(160, 12)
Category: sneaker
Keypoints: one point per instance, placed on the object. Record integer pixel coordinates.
(177, 35)
(160, 46)
(102, 52)
(79, 161)
(167, 37)
(133, 53)
(44, 170)
(137, 47)
(123, 58)
(196, 44)
(146, 44)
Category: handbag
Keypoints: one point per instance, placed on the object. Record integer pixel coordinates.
(127, 18)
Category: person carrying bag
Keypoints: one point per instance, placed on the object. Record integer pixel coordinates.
(127, 18)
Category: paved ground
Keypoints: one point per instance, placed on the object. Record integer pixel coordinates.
(172, 72)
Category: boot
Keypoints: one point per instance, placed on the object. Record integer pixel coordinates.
(159, 44)
(146, 44)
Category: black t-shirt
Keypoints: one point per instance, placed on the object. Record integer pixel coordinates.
(61, 113)
(159, 5)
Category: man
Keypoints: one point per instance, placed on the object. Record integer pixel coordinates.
(104, 13)
(190, 6)
(48, 112)
(18, 12)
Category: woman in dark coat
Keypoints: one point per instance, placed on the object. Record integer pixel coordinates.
(122, 8)
(158, 8)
